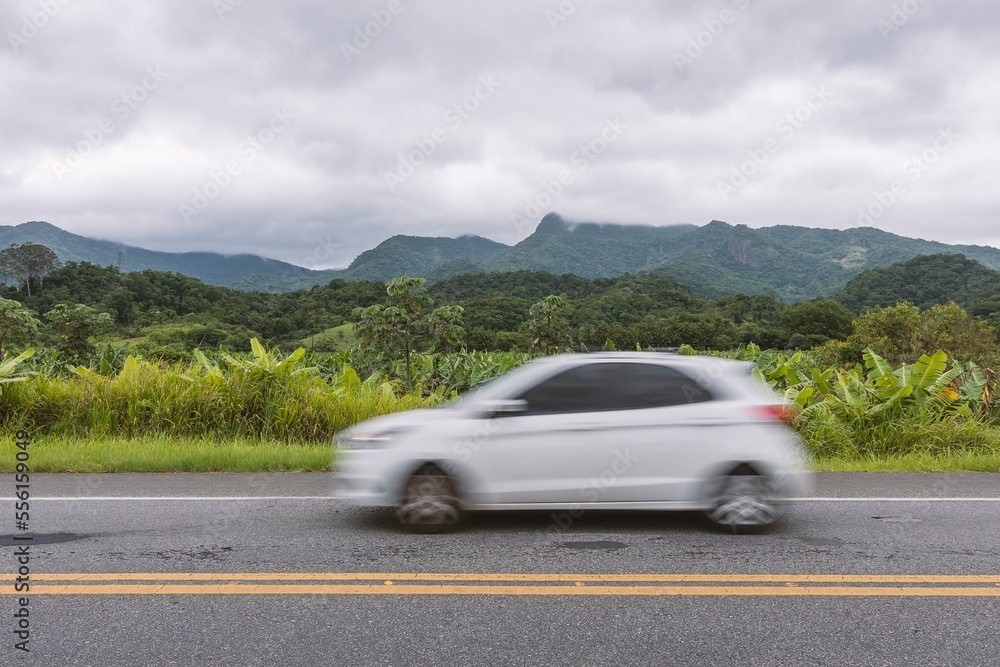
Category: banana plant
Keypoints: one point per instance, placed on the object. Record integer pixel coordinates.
(891, 386)
(213, 374)
(268, 362)
(974, 392)
(8, 368)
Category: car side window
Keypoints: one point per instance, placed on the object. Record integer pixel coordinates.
(657, 386)
(587, 388)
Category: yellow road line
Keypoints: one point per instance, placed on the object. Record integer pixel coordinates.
(469, 583)
(517, 589)
(517, 577)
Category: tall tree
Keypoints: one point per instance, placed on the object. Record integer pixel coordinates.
(402, 325)
(76, 326)
(17, 326)
(27, 263)
(548, 325)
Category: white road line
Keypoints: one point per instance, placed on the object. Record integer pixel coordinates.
(894, 500)
(200, 498)
(831, 499)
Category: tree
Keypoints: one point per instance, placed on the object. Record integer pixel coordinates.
(75, 326)
(401, 325)
(548, 325)
(891, 333)
(950, 328)
(26, 264)
(816, 322)
(17, 326)
(902, 333)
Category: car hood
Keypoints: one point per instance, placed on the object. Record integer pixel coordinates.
(408, 418)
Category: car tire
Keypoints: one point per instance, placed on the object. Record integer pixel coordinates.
(429, 501)
(742, 500)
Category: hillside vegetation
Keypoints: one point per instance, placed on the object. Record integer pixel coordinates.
(169, 315)
(717, 259)
(165, 372)
(927, 280)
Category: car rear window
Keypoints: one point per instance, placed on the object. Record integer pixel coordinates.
(654, 386)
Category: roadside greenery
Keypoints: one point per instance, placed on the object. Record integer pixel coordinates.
(935, 406)
(158, 453)
(262, 395)
(172, 360)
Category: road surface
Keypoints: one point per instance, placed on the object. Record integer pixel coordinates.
(872, 569)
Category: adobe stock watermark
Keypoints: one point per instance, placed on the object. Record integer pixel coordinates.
(914, 167)
(581, 159)
(224, 7)
(466, 448)
(121, 108)
(363, 35)
(712, 29)
(34, 23)
(790, 123)
(562, 12)
(246, 153)
(322, 253)
(591, 492)
(899, 16)
(453, 118)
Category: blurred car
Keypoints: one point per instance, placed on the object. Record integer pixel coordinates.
(618, 430)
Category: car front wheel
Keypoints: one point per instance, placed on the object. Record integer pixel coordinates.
(742, 501)
(429, 501)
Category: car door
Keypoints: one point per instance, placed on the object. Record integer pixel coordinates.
(549, 452)
(661, 435)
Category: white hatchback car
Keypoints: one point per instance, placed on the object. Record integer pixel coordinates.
(619, 430)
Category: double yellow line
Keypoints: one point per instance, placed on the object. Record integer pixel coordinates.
(416, 583)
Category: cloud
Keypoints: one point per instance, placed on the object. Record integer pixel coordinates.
(702, 87)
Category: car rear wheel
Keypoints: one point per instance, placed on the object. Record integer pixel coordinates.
(743, 501)
(429, 501)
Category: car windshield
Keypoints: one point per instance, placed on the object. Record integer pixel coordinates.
(494, 388)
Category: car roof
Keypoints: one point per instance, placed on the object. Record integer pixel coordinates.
(669, 357)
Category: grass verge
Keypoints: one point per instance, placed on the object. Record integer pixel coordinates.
(166, 454)
(916, 462)
(159, 453)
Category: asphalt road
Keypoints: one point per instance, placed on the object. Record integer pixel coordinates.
(337, 585)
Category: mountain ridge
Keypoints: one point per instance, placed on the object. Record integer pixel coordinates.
(210, 267)
(716, 259)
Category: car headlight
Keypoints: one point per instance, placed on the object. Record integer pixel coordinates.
(367, 439)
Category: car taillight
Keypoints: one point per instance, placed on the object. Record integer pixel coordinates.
(785, 413)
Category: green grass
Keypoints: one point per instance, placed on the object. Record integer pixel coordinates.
(343, 337)
(159, 453)
(916, 462)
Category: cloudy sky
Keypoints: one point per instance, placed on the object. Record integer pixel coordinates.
(310, 131)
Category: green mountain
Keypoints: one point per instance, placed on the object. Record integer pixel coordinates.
(927, 280)
(716, 260)
(210, 267)
(719, 259)
(589, 249)
(420, 255)
(867, 247)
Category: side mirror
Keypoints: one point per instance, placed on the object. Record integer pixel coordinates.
(501, 408)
